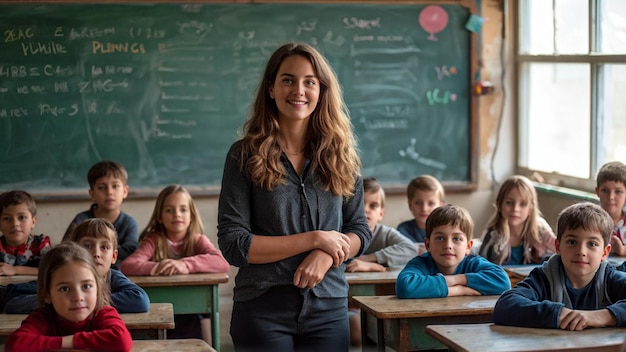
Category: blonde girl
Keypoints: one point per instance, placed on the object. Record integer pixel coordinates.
(291, 209)
(174, 240)
(74, 310)
(174, 243)
(517, 233)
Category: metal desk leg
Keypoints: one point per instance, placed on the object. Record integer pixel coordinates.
(215, 318)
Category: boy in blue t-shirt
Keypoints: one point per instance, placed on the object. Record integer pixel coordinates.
(447, 269)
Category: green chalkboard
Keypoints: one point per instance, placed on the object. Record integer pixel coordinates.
(164, 88)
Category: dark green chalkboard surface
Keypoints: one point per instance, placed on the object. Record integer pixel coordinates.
(164, 88)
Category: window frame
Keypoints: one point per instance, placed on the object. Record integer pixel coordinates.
(595, 61)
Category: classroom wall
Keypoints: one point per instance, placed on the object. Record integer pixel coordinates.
(496, 150)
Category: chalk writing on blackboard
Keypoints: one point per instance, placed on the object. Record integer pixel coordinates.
(163, 88)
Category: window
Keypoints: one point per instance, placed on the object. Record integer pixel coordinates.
(571, 64)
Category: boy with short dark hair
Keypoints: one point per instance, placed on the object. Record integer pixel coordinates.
(20, 250)
(424, 193)
(575, 289)
(448, 269)
(108, 188)
(611, 189)
(99, 237)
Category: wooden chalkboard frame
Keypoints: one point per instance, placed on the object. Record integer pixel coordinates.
(450, 186)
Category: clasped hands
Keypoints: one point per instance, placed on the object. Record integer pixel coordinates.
(332, 248)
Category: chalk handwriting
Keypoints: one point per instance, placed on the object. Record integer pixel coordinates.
(434, 97)
(148, 32)
(385, 124)
(56, 111)
(49, 48)
(353, 22)
(34, 89)
(337, 40)
(110, 70)
(411, 153)
(443, 71)
(305, 26)
(12, 35)
(112, 48)
(88, 33)
(98, 85)
(13, 112)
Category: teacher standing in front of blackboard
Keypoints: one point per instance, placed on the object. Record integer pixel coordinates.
(291, 209)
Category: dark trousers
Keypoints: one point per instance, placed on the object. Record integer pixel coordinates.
(286, 318)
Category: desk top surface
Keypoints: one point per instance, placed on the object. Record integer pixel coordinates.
(472, 338)
(392, 307)
(160, 316)
(182, 345)
(200, 279)
(5, 280)
(368, 278)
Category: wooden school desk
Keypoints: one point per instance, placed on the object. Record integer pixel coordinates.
(400, 323)
(16, 279)
(190, 293)
(156, 321)
(499, 338)
(518, 273)
(373, 283)
(178, 345)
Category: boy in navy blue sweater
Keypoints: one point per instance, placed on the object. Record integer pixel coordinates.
(575, 289)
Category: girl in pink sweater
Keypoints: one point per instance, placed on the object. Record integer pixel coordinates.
(174, 243)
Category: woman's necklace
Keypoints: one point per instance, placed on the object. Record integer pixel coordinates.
(291, 153)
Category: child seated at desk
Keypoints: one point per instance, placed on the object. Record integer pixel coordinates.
(74, 308)
(99, 237)
(174, 243)
(576, 288)
(447, 269)
(388, 247)
(20, 251)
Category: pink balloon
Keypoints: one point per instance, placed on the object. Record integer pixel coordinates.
(433, 19)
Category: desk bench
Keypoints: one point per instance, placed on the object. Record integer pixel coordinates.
(156, 321)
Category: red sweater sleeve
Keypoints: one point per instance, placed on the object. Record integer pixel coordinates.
(109, 333)
(32, 335)
(139, 262)
(208, 259)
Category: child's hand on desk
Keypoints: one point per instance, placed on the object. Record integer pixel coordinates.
(7, 269)
(570, 319)
(360, 265)
(336, 244)
(170, 267)
(312, 269)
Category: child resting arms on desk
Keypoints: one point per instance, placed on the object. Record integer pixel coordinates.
(173, 243)
(576, 288)
(447, 269)
(74, 310)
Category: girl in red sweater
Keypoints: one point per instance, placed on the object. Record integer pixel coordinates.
(174, 243)
(74, 310)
